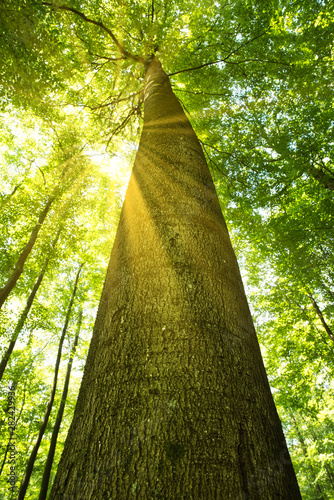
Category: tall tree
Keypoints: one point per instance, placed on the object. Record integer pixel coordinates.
(174, 401)
(34, 451)
(321, 317)
(56, 427)
(18, 269)
(256, 79)
(19, 265)
(25, 312)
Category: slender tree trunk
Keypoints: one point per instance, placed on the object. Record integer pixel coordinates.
(330, 475)
(5, 454)
(305, 313)
(17, 419)
(321, 317)
(328, 468)
(24, 315)
(18, 269)
(174, 402)
(313, 475)
(9, 442)
(10, 438)
(53, 443)
(31, 461)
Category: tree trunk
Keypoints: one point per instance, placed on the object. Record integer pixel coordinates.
(10, 438)
(17, 419)
(24, 315)
(321, 317)
(313, 474)
(18, 269)
(55, 431)
(330, 474)
(174, 402)
(31, 461)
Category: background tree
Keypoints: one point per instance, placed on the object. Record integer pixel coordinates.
(56, 428)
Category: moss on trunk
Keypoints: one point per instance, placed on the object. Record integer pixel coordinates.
(175, 402)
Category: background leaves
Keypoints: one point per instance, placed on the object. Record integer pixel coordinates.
(256, 81)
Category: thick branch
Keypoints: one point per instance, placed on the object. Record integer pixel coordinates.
(124, 52)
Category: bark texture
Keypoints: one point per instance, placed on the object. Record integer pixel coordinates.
(174, 403)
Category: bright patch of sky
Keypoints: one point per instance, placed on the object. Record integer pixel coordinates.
(118, 166)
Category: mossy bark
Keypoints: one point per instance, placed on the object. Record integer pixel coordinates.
(175, 402)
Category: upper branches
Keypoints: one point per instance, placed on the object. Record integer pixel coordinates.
(121, 49)
(225, 59)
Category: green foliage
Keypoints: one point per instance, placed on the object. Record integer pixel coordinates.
(38, 158)
(256, 80)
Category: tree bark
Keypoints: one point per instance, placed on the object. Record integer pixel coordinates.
(174, 402)
(49, 461)
(33, 454)
(24, 315)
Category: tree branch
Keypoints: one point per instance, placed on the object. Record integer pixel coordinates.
(112, 59)
(225, 58)
(41, 171)
(119, 127)
(198, 67)
(194, 92)
(115, 101)
(121, 49)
